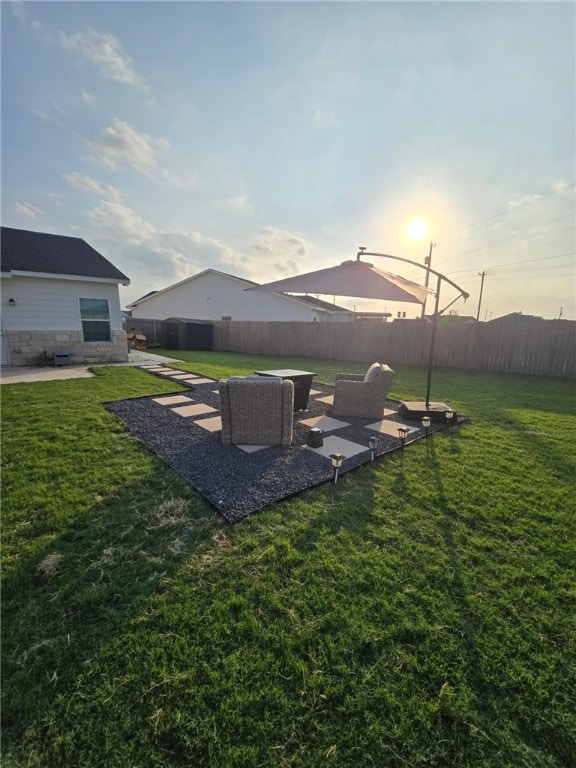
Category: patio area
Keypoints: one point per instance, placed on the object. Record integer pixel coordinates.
(184, 429)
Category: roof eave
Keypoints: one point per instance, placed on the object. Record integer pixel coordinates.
(57, 276)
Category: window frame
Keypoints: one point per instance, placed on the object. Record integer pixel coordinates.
(100, 320)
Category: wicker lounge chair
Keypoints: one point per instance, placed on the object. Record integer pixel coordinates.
(362, 395)
(256, 411)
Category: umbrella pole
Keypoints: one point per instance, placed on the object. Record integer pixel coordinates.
(432, 342)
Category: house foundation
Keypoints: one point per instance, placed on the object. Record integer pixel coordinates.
(31, 347)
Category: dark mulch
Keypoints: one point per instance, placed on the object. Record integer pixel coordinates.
(237, 483)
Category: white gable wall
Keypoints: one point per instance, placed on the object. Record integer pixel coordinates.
(47, 303)
(46, 317)
(212, 296)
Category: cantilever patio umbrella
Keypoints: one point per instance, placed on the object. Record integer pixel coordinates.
(361, 279)
(351, 278)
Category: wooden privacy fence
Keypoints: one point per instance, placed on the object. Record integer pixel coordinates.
(152, 329)
(538, 347)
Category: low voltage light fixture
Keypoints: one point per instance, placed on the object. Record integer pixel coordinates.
(336, 459)
(372, 443)
(11, 302)
(402, 432)
(426, 423)
(449, 417)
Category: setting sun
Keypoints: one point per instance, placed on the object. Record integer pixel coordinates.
(417, 229)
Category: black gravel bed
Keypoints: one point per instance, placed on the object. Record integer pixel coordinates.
(234, 482)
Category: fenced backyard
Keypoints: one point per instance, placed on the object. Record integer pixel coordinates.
(418, 613)
(530, 347)
(539, 347)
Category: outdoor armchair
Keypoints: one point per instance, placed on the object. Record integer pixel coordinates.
(362, 395)
(256, 411)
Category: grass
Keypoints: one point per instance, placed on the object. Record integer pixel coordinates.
(420, 613)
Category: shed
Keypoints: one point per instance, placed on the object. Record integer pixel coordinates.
(186, 333)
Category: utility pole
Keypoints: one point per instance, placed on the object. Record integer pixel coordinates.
(482, 275)
(428, 263)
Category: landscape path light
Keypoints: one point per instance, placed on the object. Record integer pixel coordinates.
(426, 423)
(336, 459)
(402, 432)
(372, 444)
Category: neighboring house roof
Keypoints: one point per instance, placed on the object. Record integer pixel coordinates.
(323, 306)
(186, 320)
(319, 302)
(29, 252)
(451, 318)
(514, 317)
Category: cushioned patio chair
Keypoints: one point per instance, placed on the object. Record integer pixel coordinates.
(256, 411)
(362, 395)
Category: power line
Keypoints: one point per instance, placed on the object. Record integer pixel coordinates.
(534, 269)
(508, 263)
(512, 237)
(535, 277)
(518, 271)
(540, 196)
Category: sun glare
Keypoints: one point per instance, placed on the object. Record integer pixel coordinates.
(417, 229)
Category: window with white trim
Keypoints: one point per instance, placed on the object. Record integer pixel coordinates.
(95, 317)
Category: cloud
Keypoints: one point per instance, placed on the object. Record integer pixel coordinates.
(233, 204)
(18, 10)
(89, 99)
(177, 181)
(86, 184)
(46, 117)
(171, 253)
(104, 51)
(120, 143)
(325, 120)
(524, 200)
(280, 244)
(115, 221)
(282, 252)
(30, 211)
(562, 186)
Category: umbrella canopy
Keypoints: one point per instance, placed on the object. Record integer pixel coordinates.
(351, 278)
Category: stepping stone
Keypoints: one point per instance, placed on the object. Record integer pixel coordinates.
(170, 372)
(328, 399)
(390, 428)
(335, 444)
(203, 381)
(213, 424)
(172, 400)
(193, 410)
(252, 448)
(325, 423)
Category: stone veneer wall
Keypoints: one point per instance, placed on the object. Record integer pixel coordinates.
(27, 346)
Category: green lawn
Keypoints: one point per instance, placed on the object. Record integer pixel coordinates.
(420, 613)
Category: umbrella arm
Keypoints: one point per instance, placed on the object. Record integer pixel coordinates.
(437, 311)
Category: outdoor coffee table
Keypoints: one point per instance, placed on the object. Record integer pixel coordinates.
(302, 383)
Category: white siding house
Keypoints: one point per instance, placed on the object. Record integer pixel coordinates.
(59, 295)
(214, 295)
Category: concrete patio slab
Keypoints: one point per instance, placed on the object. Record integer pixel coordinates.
(32, 373)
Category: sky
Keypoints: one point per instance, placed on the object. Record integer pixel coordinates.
(269, 139)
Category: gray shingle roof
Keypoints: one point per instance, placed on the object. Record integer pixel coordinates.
(26, 251)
